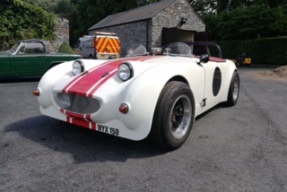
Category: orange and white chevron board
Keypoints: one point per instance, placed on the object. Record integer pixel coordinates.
(108, 45)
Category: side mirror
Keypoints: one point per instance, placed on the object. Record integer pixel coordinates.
(156, 50)
(203, 59)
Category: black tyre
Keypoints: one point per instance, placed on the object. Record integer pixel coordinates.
(174, 116)
(234, 89)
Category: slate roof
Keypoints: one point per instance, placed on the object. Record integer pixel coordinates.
(137, 14)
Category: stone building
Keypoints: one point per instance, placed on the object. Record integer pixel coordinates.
(153, 25)
(61, 30)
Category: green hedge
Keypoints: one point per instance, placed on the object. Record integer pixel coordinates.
(271, 51)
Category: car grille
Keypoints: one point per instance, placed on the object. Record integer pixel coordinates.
(76, 103)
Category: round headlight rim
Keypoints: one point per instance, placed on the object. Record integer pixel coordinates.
(130, 67)
(82, 68)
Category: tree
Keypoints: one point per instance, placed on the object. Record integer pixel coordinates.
(256, 21)
(204, 6)
(47, 5)
(243, 19)
(82, 14)
(21, 20)
(219, 6)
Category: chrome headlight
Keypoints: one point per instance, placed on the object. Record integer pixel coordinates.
(78, 67)
(125, 71)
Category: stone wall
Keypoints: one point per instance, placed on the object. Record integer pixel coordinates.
(62, 34)
(149, 32)
(171, 16)
(129, 34)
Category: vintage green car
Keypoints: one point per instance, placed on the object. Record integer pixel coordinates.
(30, 58)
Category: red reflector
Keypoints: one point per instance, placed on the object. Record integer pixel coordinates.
(124, 108)
(36, 92)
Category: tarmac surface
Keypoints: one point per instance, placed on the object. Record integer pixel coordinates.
(234, 149)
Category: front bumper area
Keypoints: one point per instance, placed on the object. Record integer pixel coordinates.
(76, 103)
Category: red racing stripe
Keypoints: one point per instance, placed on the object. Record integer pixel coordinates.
(82, 123)
(95, 88)
(94, 79)
(71, 83)
(88, 85)
(80, 120)
(83, 86)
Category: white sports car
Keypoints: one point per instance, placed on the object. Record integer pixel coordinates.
(142, 95)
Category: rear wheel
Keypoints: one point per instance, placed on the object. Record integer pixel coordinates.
(234, 89)
(174, 115)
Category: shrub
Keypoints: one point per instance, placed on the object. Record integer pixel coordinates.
(65, 48)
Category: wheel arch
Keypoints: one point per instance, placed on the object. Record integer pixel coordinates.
(183, 80)
(138, 91)
(231, 101)
(156, 134)
(178, 78)
(230, 75)
(230, 68)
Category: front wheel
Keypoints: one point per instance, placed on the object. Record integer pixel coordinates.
(174, 116)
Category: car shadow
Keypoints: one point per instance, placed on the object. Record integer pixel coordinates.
(215, 108)
(83, 144)
(35, 79)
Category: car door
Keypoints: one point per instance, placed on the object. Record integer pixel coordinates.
(28, 59)
(213, 83)
(5, 66)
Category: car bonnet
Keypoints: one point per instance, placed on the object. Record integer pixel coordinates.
(91, 80)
